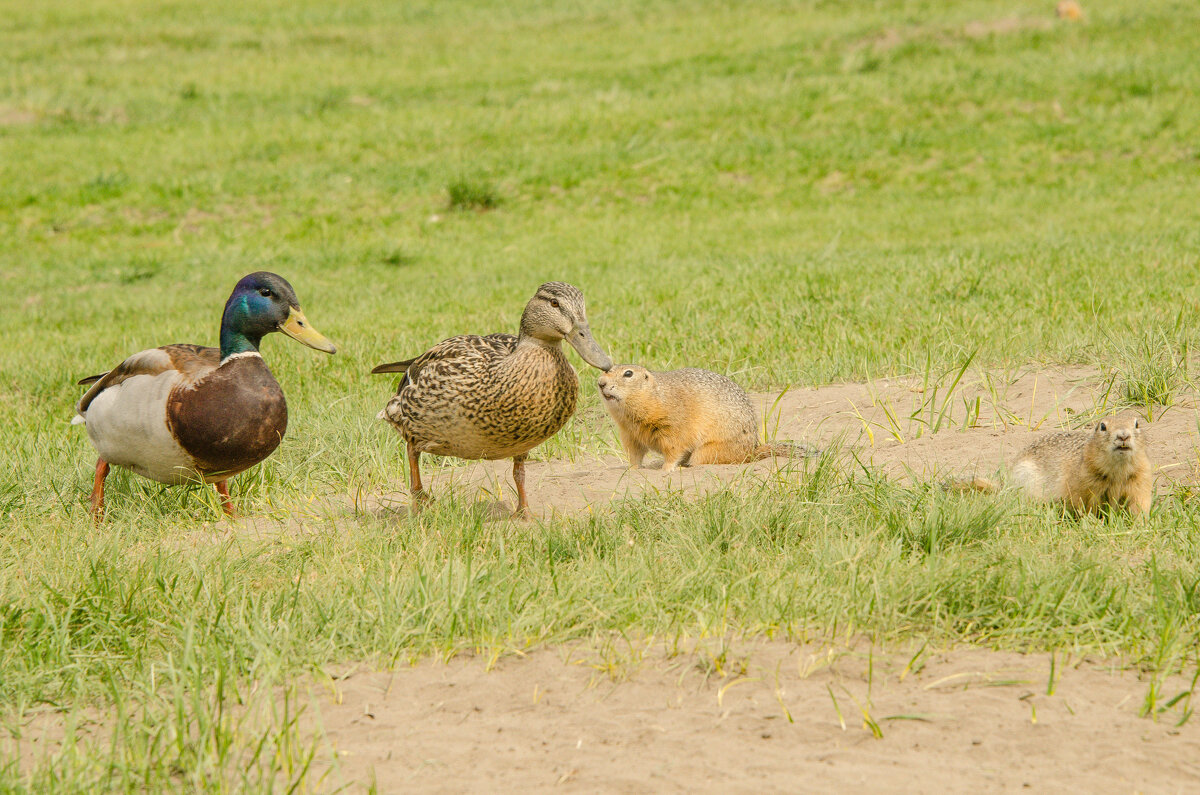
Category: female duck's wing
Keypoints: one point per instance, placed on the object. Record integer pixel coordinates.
(460, 349)
(191, 362)
(431, 381)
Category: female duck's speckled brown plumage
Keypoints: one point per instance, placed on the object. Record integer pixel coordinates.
(495, 396)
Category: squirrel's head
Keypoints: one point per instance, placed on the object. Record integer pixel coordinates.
(1118, 435)
(622, 380)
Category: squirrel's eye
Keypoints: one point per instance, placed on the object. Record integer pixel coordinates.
(554, 303)
(629, 373)
(1103, 427)
(1136, 425)
(265, 292)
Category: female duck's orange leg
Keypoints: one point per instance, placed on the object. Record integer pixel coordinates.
(419, 495)
(522, 511)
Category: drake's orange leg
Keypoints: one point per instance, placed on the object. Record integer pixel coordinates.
(226, 503)
(98, 490)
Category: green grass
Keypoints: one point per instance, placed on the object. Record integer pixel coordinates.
(790, 193)
(472, 194)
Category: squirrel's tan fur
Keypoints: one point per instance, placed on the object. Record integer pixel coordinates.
(1086, 470)
(1069, 10)
(690, 416)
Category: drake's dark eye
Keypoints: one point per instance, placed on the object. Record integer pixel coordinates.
(629, 373)
(554, 303)
(265, 292)
(1103, 427)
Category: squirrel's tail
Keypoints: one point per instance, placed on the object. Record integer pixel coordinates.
(786, 450)
(964, 485)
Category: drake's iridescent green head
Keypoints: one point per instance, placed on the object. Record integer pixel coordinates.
(261, 303)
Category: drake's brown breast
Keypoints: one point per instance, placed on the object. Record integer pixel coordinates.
(230, 420)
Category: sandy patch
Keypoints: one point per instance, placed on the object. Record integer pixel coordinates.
(891, 38)
(16, 117)
(768, 722)
(984, 422)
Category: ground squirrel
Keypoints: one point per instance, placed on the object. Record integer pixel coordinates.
(690, 416)
(1069, 10)
(1086, 470)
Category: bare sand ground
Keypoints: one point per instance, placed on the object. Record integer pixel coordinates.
(780, 717)
(748, 715)
(989, 418)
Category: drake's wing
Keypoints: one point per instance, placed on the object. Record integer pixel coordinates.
(192, 362)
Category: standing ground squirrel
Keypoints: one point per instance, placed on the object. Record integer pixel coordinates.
(1086, 470)
(690, 416)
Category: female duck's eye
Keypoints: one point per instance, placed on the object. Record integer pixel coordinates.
(629, 373)
(554, 303)
(265, 292)
(1103, 427)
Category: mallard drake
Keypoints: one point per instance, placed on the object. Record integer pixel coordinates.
(186, 413)
(496, 396)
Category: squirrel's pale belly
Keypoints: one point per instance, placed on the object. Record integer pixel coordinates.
(1028, 476)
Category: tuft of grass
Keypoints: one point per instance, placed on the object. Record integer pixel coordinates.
(1151, 370)
(399, 258)
(473, 193)
(1149, 367)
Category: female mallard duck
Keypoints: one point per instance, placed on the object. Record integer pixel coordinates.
(183, 413)
(497, 396)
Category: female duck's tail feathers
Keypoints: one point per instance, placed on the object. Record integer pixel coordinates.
(391, 412)
(394, 367)
(787, 450)
(976, 483)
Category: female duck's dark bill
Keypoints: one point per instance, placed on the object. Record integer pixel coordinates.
(581, 340)
(298, 328)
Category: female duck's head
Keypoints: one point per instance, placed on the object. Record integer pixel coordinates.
(556, 312)
(261, 303)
